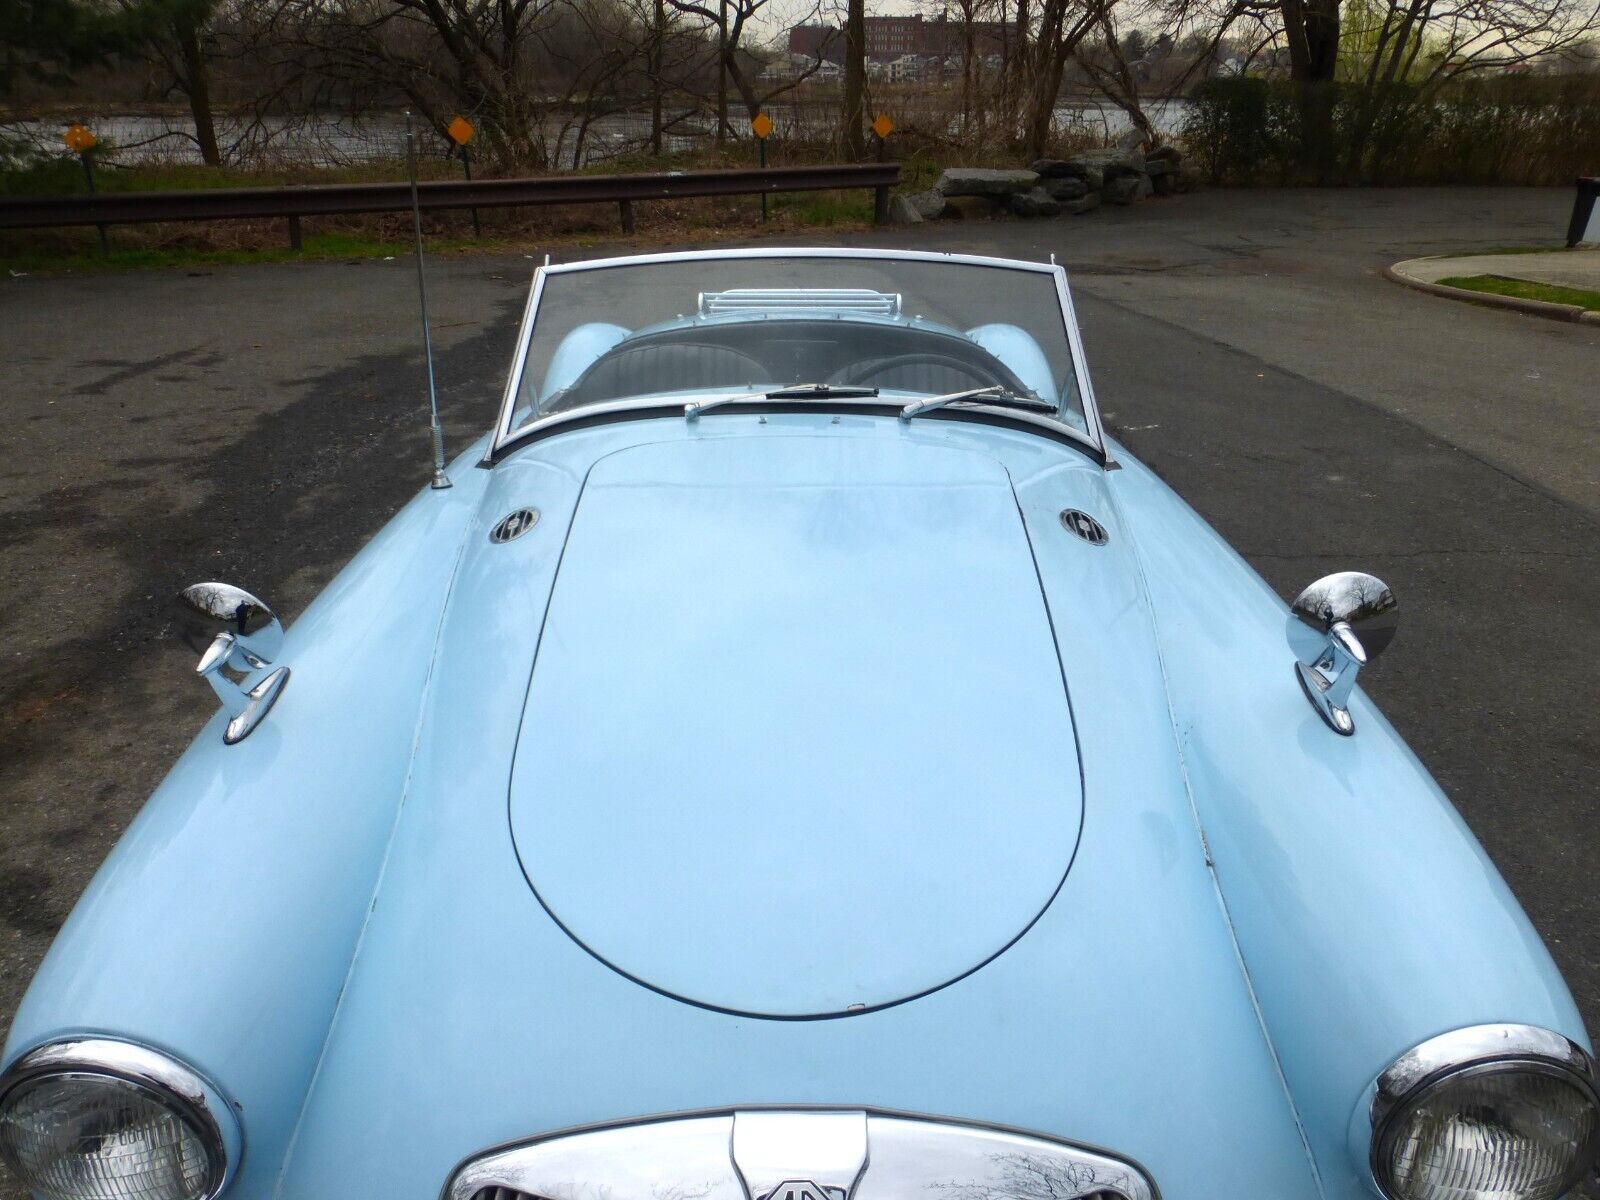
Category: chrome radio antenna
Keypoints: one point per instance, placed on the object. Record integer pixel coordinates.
(440, 479)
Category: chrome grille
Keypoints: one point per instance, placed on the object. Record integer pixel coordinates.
(750, 1154)
(501, 1193)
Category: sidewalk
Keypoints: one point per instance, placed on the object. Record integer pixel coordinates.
(1578, 268)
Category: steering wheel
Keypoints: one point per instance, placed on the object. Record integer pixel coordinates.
(920, 370)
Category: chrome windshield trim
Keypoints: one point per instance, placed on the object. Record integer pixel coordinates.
(972, 260)
(740, 403)
(505, 436)
(176, 1084)
(826, 1153)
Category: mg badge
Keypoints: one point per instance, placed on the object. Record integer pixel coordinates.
(803, 1189)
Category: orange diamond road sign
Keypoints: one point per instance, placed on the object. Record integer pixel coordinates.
(761, 125)
(883, 126)
(78, 138)
(460, 131)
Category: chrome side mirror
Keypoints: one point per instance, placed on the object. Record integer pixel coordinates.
(250, 639)
(1355, 615)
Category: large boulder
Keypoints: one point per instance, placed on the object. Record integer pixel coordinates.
(974, 208)
(1035, 202)
(1111, 163)
(1125, 189)
(929, 205)
(1163, 173)
(1053, 168)
(1067, 187)
(903, 212)
(1083, 204)
(979, 181)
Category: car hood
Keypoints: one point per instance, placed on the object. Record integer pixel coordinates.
(761, 673)
(808, 676)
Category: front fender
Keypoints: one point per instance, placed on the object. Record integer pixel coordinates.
(1368, 916)
(222, 925)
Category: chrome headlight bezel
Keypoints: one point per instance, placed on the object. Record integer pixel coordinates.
(1463, 1054)
(168, 1081)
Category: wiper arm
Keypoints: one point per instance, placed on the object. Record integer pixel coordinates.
(994, 395)
(800, 391)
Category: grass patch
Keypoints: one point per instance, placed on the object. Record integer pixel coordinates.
(1499, 285)
(825, 209)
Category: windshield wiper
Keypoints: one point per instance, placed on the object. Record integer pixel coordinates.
(800, 391)
(807, 391)
(991, 395)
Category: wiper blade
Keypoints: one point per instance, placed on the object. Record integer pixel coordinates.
(808, 391)
(800, 391)
(990, 395)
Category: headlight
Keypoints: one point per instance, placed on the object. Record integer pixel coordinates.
(1493, 1112)
(103, 1120)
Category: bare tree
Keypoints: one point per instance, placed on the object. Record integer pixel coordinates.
(853, 137)
(1045, 44)
(171, 36)
(732, 20)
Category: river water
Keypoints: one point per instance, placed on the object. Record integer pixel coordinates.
(326, 139)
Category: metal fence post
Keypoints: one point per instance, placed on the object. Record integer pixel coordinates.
(1582, 208)
(88, 174)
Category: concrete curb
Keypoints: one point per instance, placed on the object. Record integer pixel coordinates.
(1537, 308)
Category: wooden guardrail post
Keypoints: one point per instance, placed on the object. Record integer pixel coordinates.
(625, 207)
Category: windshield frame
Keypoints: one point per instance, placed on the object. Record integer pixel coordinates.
(505, 437)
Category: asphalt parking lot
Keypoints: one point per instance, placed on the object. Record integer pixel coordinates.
(258, 424)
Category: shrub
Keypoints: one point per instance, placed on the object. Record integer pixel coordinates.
(1502, 129)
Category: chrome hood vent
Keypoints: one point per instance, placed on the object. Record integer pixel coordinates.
(798, 1154)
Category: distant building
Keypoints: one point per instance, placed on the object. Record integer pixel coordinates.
(890, 39)
(906, 67)
(812, 42)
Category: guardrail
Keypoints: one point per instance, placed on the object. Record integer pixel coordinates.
(1582, 208)
(222, 204)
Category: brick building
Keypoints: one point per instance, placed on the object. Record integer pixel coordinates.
(892, 38)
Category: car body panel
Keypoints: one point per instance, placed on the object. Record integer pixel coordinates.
(1368, 914)
(330, 922)
(762, 669)
(506, 1026)
(221, 927)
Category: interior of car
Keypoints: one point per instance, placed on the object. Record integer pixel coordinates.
(785, 352)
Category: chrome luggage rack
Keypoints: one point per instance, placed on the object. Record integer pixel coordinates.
(852, 300)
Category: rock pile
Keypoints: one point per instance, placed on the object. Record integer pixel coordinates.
(1050, 187)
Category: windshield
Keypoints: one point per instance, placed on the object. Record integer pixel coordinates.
(754, 324)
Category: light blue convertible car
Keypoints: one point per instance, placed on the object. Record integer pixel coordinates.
(797, 755)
